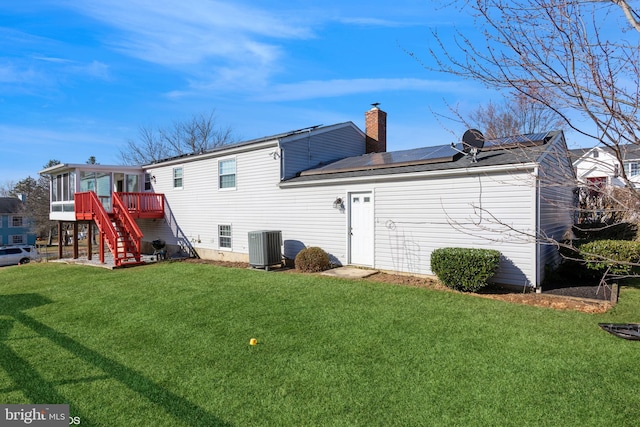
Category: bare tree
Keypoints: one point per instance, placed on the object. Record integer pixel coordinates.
(36, 203)
(194, 135)
(585, 54)
(517, 114)
(494, 120)
(6, 187)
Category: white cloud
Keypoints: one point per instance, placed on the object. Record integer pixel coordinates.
(19, 78)
(52, 59)
(333, 88)
(178, 33)
(371, 22)
(19, 137)
(93, 69)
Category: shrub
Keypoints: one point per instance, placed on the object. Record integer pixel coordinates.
(464, 269)
(312, 259)
(603, 254)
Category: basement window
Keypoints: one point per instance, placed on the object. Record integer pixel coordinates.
(224, 236)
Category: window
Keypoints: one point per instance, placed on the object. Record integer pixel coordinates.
(177, 178)
(131, 184)
(63, 187)
(633, 169)
(16, 221)
(227, 173)
(596, 154)
(224, 236)
(147, 182)
(17, 240)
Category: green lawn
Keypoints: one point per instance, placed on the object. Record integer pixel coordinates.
(168, 345)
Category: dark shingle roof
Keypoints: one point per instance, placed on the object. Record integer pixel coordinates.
(493, 157)
(10, 205)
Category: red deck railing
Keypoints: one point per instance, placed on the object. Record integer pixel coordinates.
(143, 205)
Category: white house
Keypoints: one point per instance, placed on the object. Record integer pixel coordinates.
(336, 187)
(599, 166)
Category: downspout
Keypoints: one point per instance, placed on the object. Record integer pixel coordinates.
(282, 171)
(308, 148)
(536, 270)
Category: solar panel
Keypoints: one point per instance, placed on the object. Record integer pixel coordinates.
(415, 156)
(528, 140)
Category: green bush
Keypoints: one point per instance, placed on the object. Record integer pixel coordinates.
(603, 254)
(312, 260)
(465, 269)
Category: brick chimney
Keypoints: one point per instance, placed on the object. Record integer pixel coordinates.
(375, 128)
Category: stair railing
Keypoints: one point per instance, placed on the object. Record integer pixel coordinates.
(88, 206)
(121, 212)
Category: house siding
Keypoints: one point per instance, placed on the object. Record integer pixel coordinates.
(557, 205)
(456, 212)
(194, 212)
(309, 150)
(492, 207)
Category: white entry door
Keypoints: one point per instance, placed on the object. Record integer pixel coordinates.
(361, 229)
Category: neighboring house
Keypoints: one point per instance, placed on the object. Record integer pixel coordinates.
(336, 187)
(599, 166)
(15, 227)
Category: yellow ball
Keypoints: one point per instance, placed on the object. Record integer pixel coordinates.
(253, 341)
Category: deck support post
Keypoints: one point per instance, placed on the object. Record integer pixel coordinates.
(75, 240)
(89, 240)
(60, 239)
(101, 247)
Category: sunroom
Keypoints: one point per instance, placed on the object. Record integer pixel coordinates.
(112, 197)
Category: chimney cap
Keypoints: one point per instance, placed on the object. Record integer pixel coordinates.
(375, 105)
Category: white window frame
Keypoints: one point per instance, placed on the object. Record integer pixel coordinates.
(235, 173)
(17, 239)
(228, 236)
(147, 182)
(13, 218)
(634, 170)
(181, 178)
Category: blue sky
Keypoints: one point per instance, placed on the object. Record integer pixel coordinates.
(79, 77)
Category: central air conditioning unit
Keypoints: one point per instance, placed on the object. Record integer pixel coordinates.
(265, 248)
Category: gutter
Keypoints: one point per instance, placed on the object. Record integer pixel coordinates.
(188, 158)
(523, 167)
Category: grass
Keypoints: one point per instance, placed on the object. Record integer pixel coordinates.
(168, 345)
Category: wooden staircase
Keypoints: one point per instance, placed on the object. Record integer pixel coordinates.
(118, 228)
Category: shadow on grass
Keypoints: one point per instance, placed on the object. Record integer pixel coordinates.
(40, 391)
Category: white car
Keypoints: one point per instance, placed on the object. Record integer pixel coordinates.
(17, 254)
